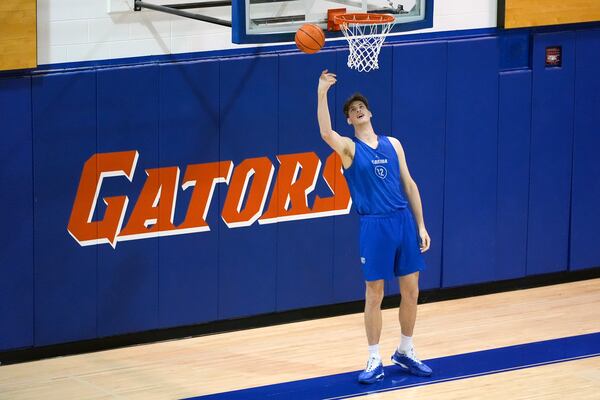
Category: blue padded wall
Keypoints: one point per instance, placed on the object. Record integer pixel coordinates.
(514, 135)
(585, 218)
(189, 134)
(304, 248)
(471, 162)
(514, 49)
(64, 137)
(16, 214)
(128, 276)
(504, 157)
(247, 256)
(419, 122)
(551, 156)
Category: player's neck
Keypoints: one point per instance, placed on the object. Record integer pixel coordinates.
(365, 132)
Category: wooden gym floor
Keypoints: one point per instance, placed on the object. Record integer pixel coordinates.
(297, 351)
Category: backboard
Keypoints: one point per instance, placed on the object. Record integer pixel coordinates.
(264, 21)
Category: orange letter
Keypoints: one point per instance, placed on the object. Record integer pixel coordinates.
(296, 179)
(261, 170)
(203, 178)
(341, 202)
(155, 207)
(95, 169)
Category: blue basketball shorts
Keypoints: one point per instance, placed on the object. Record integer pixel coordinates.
(389, 245)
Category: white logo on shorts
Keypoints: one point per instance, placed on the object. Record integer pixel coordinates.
(363, 260)
(380, 171)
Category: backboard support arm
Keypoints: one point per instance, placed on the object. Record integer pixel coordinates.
(178, 9)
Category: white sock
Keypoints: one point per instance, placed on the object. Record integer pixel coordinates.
(406, 343)
(374, 352)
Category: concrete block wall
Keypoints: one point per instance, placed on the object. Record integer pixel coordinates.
(74, 30)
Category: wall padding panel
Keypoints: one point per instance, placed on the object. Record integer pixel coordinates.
(248, 255)
(551, 156)
(16, 214)
(128, 276)
(64, 137)
(585, 218)
(419, 122)
(471, 162)
(189, 134)
(304, 248)
(514, 135)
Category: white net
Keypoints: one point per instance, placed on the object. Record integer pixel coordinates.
(365, 41)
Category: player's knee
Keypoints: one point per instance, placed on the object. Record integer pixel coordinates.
(374, 300)
(410, 294)
(374, 293)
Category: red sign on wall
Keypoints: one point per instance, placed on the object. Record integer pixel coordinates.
(553, 56)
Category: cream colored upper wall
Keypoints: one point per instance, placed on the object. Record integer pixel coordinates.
(76, 30)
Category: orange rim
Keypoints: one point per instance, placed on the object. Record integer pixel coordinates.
(363, 18)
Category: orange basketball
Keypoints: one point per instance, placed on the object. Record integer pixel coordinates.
(310, 38)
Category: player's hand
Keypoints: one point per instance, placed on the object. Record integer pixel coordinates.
(425, 240)
(326, 80)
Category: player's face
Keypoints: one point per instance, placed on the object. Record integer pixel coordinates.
(358, 113)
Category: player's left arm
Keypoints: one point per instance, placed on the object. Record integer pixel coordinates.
(412, 193)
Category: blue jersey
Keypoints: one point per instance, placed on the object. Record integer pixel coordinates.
(374, 178)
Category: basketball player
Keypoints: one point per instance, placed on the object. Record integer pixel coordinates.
(375, 166)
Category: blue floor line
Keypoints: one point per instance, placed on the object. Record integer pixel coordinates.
(459, 366)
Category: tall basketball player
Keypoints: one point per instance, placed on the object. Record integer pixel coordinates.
(390, 242)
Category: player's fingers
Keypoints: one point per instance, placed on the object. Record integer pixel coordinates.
(424, 243)
(324, 72)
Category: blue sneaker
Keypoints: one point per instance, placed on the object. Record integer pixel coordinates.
(409, 362)
(372, 373)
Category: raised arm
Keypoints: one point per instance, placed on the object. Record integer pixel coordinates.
(342, 145)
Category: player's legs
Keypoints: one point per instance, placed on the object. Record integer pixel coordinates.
(377, 252)
(409, 262)
(373, 299)
(405, 356)
(409, 292)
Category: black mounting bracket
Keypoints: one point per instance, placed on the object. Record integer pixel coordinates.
(178, 9)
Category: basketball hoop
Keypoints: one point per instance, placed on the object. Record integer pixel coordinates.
(365, 34)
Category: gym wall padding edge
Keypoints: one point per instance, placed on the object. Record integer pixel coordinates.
(470, 188)
(503, 154)
(64, 136)
(16, 214)
(551, 156)
(585, 192)
(514, 137)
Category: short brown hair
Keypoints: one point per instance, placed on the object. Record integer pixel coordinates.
(355, 97)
